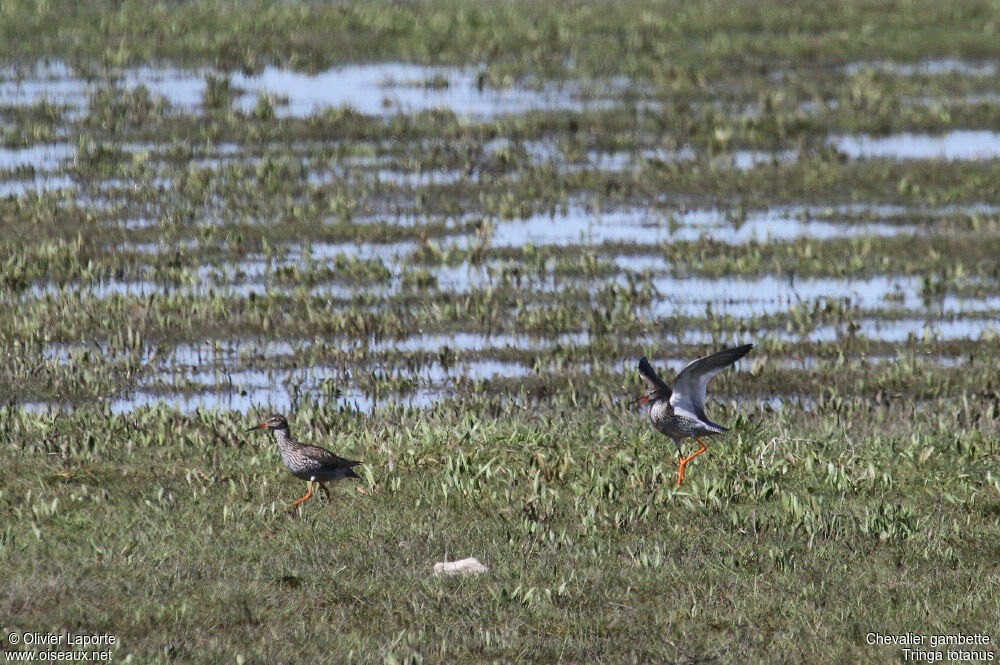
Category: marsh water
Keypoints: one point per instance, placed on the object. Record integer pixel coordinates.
(391, 233)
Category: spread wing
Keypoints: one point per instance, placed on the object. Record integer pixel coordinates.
(691, 383)
(658, 388)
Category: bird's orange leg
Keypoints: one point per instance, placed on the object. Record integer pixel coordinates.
(323, 487)
(680, 476)
(307, 496)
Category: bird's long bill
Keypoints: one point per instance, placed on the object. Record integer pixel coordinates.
(255, 427)
(641, 399)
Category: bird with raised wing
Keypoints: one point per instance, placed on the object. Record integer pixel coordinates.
(310, 463)
(680, 412)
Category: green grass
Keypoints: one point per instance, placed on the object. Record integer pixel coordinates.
(790, 541)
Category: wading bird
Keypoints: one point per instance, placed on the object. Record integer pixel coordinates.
(309, 463)
(680, 413)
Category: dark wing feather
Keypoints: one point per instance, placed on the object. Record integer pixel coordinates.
(691, 383)
(658, 388)
(329, 458)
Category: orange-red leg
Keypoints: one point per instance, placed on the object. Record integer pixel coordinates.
(323, 487)
(680, 475)
(307, 496)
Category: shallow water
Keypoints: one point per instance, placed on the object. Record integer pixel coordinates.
(954, 146)
(929, 329)
(370, 89)
(43, 157)
(739, 297)
(419, 368)
(577, 225)
(38, 184)
(771, 294)
(931, 67)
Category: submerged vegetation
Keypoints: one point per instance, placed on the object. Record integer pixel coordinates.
(438, 236)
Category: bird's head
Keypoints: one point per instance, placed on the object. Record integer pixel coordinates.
(274, 421)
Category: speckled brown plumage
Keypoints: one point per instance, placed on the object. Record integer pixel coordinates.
(309, 463)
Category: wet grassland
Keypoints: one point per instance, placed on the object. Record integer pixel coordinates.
(439, 243)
